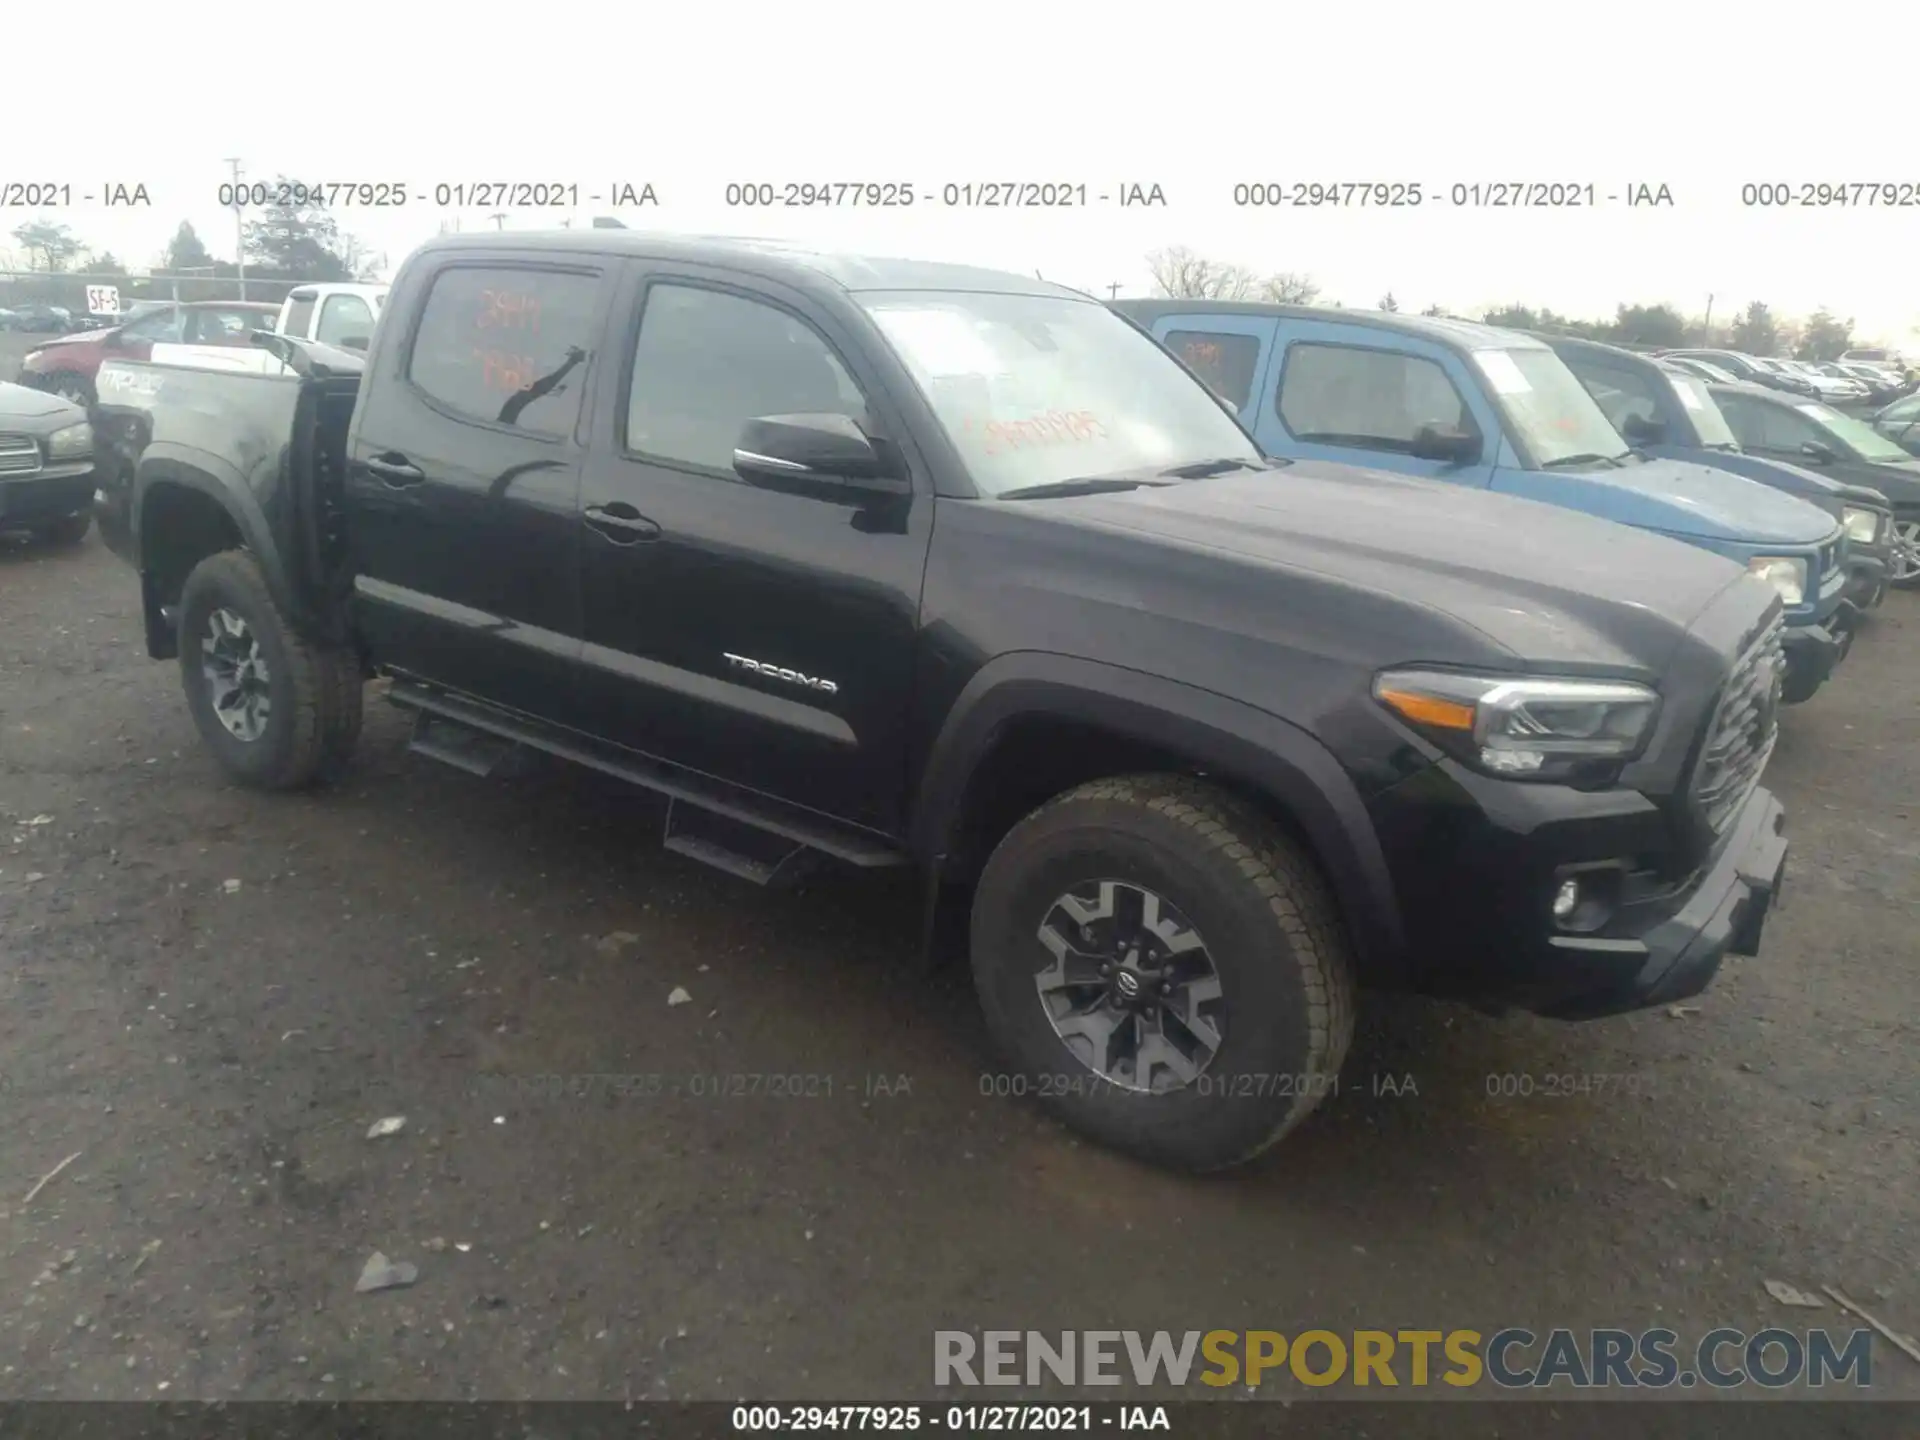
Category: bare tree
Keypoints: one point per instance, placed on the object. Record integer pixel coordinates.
(1289, 288)
(1181, 274)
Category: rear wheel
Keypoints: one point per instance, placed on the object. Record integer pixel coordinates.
(1164, 970)
(277, 710)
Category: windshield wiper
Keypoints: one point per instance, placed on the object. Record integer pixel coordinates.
(1087, 485)
(1585, 458)
(1201, 469)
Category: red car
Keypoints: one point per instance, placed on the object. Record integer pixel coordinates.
(66, 364)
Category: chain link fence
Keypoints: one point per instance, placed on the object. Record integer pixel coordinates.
(27, 296)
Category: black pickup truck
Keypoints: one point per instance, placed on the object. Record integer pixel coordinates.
(913, 564)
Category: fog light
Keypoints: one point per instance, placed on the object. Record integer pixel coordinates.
(1566, 899)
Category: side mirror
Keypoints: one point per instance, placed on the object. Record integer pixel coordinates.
(1819, 452)
(1450, 447)
(1643, 430)
(814, 452)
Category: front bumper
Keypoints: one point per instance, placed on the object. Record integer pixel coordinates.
(1678, 956)
(1476, 861)
(1813, 651)
(52, 493)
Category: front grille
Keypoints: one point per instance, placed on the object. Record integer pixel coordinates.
(1741, 732)
(19, 454)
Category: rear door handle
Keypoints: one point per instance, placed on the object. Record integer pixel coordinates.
(621, 523)
(395, 471)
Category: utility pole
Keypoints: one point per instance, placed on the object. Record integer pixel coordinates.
(1113, 290)
(1706, 330)
(239, 227)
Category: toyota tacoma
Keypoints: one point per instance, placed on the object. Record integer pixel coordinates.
(907, 564)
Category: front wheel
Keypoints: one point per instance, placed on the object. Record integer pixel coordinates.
(1903, 566)
(277, 710)
(1164, 969)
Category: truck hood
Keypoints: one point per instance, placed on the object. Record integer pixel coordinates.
(83, 337)
(1795, 480)
(1543, 583)
(1692, 502)
(22, 403)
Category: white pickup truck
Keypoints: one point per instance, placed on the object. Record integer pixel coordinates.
(341, 315)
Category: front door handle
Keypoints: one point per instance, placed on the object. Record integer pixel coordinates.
(395, 471)
(621, 523)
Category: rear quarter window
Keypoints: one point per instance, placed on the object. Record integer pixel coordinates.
(1225, 362)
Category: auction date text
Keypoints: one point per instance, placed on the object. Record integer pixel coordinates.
(950, 195)
(55, 194)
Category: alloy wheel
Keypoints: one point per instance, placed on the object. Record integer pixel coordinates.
(1131, 991)
(237, 677)
(1904, 562)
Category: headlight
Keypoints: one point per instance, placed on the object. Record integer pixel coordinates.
(71, 443)
(1862, 525)
(1530, 728)
(1784, 573)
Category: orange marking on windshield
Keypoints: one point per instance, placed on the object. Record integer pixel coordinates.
(1053, 427)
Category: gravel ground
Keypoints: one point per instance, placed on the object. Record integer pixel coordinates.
(207, 996)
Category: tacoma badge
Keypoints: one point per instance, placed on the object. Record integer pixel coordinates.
(780, 672)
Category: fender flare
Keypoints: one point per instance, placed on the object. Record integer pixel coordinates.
(1225, 737)
(163, 463)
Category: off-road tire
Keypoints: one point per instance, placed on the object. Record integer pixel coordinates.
(1272, 931)
(67, 530)
(314, 712)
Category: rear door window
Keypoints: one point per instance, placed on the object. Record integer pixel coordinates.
(503, 345)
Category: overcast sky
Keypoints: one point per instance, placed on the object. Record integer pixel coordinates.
(1700, 97)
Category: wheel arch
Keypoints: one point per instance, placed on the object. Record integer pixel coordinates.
(1031, 725)
(187, 506)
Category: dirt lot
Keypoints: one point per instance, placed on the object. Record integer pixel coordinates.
(209, 995)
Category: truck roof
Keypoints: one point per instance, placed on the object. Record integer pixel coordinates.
(801, 266)
(1459, 334)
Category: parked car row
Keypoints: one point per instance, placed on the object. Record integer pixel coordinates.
(1387, 664)
(1841, 382)
(1824, 516)
(38, 318)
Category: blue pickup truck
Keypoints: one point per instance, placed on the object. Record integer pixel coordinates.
(1496, 409)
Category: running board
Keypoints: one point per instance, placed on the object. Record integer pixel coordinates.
(460, 746)
(733, 846)
(703, 837)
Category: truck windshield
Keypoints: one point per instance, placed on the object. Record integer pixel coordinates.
(1557, 421)
(1036, 390)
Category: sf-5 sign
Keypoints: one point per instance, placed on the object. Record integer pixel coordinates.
(103, 299)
